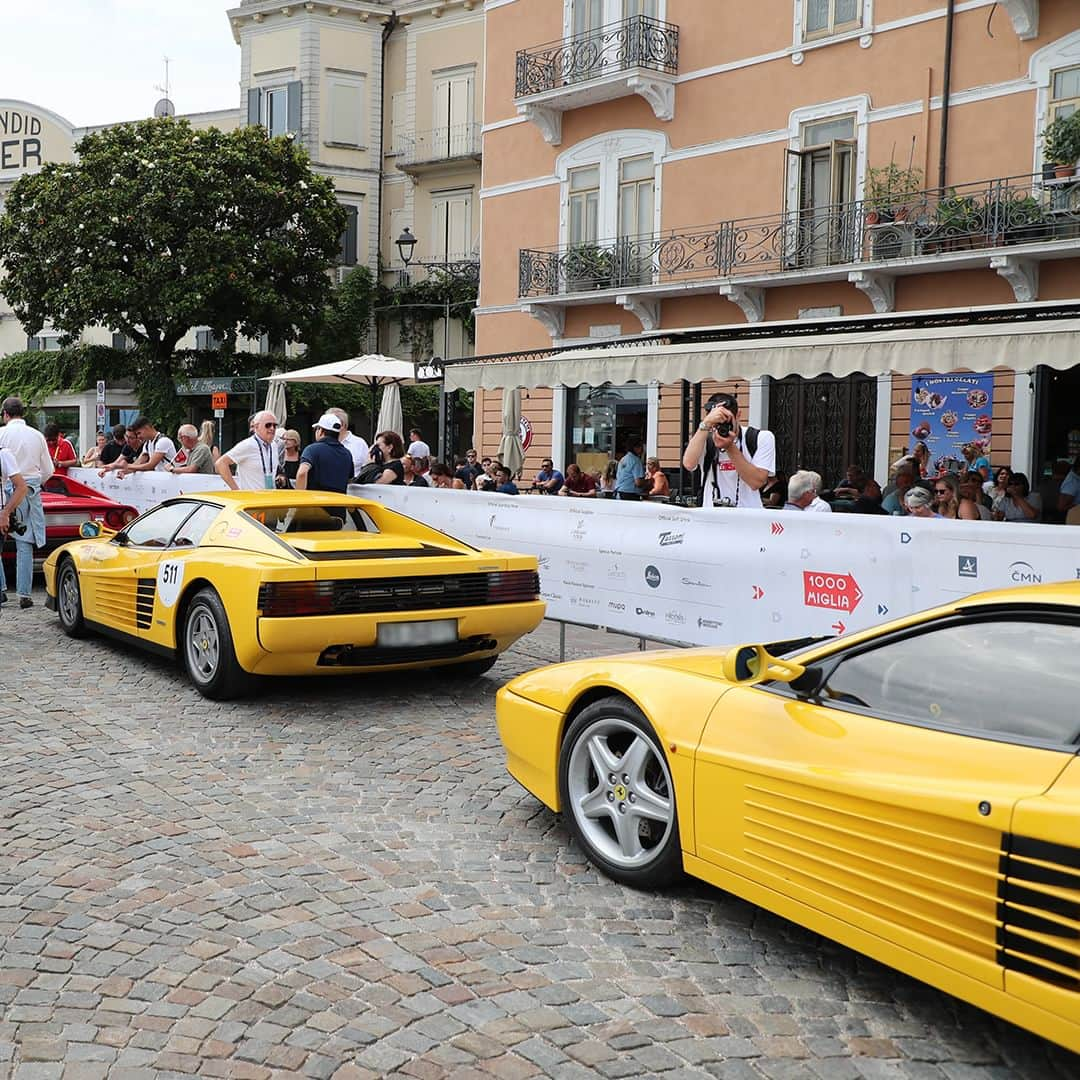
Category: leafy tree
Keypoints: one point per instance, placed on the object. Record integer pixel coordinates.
(343, 330)
(158, 228)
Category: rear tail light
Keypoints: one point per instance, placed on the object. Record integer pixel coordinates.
(115, 519)
(282, 599)
(513, 586)
(130, 516)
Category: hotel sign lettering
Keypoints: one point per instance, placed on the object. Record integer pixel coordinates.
(20, 140)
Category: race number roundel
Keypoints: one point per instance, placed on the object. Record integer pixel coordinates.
(526, 433)
(170, 578)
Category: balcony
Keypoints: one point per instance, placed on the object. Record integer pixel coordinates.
(1008, 225)
(430, 151)
(637, 56)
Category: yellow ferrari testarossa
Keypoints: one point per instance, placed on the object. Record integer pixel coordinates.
(242, 583)
(912, 791)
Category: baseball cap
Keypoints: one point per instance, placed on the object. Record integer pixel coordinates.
(329, 422)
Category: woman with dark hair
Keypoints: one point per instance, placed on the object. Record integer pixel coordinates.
(393, 450)
(1019, 503)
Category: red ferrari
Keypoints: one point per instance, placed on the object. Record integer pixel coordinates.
(67, 504)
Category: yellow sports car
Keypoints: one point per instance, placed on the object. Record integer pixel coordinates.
(912, 791)
(250, 583)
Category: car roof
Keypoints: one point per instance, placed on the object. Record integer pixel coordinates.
(1065, 593)
(236, 500)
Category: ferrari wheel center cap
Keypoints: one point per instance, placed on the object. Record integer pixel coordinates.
(620, 792)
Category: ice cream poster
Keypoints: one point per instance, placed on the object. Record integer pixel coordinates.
(949, 412)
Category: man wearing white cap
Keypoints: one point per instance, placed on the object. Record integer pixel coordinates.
(325, 465)
(256, 457)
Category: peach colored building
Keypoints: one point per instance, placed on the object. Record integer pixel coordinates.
(758, 184)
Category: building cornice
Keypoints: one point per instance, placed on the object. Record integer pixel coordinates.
(373, 11)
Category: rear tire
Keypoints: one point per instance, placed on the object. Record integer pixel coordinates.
(69, 600)
(617, 795)
(207, 648)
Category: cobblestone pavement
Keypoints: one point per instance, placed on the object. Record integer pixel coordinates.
(339, 879)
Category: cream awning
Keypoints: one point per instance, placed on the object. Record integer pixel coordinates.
(982, 347)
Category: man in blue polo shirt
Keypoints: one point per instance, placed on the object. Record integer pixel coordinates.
(630, 477)
(325, 465)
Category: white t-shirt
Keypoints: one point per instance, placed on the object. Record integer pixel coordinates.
(28, 446)
(419, 449)
(722, 481)
(359, 449)
(819, 506)
(8, 468)
(255, 460)
(160, 445)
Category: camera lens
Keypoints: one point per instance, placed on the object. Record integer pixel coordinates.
(724, 429)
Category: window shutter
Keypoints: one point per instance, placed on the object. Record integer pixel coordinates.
(397, 123)
(296, 96)
(254, 102)
(33, 344)
(119, 342)
(349, 237)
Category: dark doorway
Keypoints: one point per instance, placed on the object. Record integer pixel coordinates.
(1057, 417)
(824, 424)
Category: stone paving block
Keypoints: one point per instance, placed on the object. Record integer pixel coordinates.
(266, 890)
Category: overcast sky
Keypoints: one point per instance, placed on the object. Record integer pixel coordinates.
(99, 61)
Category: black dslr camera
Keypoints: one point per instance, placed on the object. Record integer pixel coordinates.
(725, 427)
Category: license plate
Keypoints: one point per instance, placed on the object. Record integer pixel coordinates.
(433, 632)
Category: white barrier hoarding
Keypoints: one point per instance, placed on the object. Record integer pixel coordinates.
(713, 577)
(145, 489)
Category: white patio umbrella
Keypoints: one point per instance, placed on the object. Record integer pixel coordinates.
(372, 370)
(275, 402)
(510, 451)
(390, 414)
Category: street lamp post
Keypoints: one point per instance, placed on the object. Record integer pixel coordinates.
(406, 245)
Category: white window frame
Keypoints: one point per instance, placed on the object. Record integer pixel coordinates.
(859, 106)
(613, 13)
(864, 27)
(355, 81)
(264, 106)
(607, 150)
(1063, 53)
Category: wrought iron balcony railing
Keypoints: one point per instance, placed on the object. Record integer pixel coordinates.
(901, 225)
(637, 42)
(442, 144)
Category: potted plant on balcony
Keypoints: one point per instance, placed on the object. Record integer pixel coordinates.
(1061, 144)
(890, 195)
(588, 266)
(958, 223)
(890, 191)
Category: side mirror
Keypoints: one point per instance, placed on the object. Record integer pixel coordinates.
(751, 664)
(90, 530)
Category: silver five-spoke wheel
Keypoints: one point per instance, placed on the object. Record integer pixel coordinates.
(618, 794)
(203, 646)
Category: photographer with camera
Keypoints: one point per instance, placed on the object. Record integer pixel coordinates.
(736, 462)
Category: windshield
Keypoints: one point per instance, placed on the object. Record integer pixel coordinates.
(312, 519)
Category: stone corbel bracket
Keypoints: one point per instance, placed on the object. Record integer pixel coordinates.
(751, 300)
(659, 93)
(881, 288)
(551, 317)
(647, 311)
(1021, 274)
(1025, 17)
(549, 121)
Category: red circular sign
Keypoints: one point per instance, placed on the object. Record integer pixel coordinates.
(526, 433)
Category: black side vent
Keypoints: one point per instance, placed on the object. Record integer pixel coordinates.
(144, 602)
(1039, 908)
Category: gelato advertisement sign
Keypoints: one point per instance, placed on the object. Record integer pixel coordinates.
(949, 412)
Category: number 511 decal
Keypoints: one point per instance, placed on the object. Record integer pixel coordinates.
(170, 577)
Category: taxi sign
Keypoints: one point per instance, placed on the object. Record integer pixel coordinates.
(219, 400)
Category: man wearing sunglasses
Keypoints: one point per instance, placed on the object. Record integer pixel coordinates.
(255, 458)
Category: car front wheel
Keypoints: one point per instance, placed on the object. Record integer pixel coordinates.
(69, 601)
(617, 795)
(208, 651)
